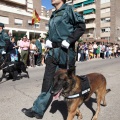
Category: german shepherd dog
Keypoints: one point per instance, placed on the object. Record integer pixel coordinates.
(70, 84)
(12, 68)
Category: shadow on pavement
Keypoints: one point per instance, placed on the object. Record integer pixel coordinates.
(89, 104)
(61, 106)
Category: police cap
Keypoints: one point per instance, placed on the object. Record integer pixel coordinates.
(1, 24)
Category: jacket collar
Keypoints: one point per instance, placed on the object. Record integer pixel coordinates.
(61, 8)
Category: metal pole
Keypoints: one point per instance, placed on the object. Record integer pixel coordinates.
(34, 29)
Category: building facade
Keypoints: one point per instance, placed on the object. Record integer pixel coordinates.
(102, 19)
(17, 17)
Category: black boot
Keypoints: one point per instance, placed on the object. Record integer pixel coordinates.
(31, 113)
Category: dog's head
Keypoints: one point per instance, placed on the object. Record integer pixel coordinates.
(63, 81)
(2, 61)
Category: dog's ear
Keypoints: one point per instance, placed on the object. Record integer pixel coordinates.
(71, 71)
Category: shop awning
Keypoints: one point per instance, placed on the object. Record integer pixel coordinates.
(88, 11)
(78, 5)
(88, 2)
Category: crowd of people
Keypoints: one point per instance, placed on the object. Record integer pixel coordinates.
(65, 28)
(31, 52)
(88, 51)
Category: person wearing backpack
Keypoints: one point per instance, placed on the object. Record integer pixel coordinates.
(65, 28)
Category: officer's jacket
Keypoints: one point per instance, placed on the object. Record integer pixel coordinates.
(65, 24)
(4, 40)
(39, 46)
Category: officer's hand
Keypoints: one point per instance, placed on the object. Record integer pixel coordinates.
(48, 44)
(3, 52)
(65, 44)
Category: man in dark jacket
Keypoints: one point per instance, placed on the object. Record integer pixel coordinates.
(65, 28)
(4, 40)
(39, 47)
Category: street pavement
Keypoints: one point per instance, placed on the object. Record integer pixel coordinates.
(15, 95)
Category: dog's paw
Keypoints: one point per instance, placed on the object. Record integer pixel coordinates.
(94, 118)
(0, 79)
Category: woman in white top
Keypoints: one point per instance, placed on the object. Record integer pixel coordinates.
(33, 50)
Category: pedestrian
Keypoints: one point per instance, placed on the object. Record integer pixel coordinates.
(24, 45)
(79, 52)
(39, 53)
(13, 50)
(33, 50)
(98, 51)
(4, 41)
(65, 28)
(43, 51)
(95, 49)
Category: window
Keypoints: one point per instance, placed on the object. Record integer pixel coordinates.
(4, 19)
(30, 5)
(105, 29)
(18, 22)
(46, 27)
(30, 1)
(104, 20)
(29, 22)
(37, 25)
(104, 1)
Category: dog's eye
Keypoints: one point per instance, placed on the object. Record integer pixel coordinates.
(65, 85)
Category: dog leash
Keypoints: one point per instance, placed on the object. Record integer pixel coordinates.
(67, 58)
(4, 61)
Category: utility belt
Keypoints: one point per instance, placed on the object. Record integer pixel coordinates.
(56, 44)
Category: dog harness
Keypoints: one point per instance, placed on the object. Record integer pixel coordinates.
(8, 66)
(85, 88)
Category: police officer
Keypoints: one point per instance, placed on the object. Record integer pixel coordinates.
(4, 41)
(65, 28)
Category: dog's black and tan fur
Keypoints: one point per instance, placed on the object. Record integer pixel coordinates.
(12, 68)
(71, 84)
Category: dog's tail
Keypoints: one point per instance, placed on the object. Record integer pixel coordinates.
(108, 90)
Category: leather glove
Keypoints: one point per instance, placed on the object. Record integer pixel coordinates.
(65, 44)
(48, 44)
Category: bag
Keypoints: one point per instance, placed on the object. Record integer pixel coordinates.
(13, 57)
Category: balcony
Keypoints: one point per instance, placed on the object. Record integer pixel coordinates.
(78, 1)
(105, 5)
(21, 2)
(88, 2)
(16, 10)
(104, 15)
(89, 11)
(90, 16)
(107, 24)
(92, 6)
(90, 25)
(105, 34)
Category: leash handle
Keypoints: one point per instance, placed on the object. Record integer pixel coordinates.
(67, 58)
